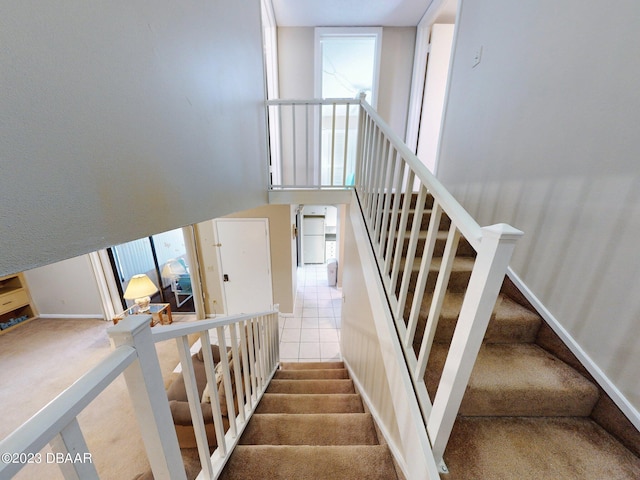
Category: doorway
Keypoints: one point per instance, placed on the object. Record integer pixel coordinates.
(245, 264)
(163, 258)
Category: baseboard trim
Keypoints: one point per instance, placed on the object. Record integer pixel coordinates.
(374, 412)
(599, 376)
(92, 316)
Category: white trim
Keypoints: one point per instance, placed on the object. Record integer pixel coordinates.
(106, 283)
(91, 316)
(191, 248)
(348, 31)
(599, 376)
(417, 85)
(378, 419)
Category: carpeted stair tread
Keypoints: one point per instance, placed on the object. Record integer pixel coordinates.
(311, 374)
(536, 448)
(310, 429)
(311, 386)
(310, 403)
(310, 365)
(510, 322)
(519, 380)
(458, 280)
(303, 462)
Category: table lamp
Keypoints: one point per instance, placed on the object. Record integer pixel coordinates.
(139, 290)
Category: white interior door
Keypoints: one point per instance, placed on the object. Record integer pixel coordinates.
(245, 264)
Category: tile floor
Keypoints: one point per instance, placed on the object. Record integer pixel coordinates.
(312, 334)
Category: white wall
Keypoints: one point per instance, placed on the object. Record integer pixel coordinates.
(119, 120)
(296, 54)
(65, 289)
(359, 338)
(543, 134)
(396, 65)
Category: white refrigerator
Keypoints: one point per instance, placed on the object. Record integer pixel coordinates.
(313, 242)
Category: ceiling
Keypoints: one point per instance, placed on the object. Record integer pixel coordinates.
(349, 13)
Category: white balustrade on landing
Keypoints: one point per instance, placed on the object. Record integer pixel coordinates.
(253, 340)
(312, 143)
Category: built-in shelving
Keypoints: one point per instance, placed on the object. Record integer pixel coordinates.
(16, 306)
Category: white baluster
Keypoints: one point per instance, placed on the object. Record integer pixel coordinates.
(494, 253)
(149, 398)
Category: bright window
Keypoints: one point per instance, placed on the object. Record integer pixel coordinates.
(347, 62)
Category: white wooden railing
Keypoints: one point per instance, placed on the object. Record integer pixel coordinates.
(393, 186)
(389, 179)
(253, 340)
(313, 143)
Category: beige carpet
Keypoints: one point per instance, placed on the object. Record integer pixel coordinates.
(41, 359)
(530, 411)
(310, 425)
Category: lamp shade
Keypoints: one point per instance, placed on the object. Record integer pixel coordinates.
(140, 286)
(173, 268)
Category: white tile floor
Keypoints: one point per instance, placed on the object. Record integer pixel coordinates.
(312, 334)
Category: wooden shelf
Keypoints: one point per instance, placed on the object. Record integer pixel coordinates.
(16, 306)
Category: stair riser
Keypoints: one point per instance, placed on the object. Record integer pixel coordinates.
(310, 429)
(444, 224)
(339, 374)
(414, 199)
(497, 332)
(286, 462)
(512, 380)
(500, 329)
(458, 281)
(311, 365)
(296, 387)
(464, 248)
(333, 403)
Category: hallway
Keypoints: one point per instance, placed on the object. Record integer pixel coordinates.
(312, 333)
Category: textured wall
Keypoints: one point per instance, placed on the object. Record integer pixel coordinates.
(123, 119)
(542, 134)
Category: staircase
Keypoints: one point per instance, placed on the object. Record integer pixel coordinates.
(310, 424)
(525, 413)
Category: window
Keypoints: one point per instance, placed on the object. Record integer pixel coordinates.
(347, 62)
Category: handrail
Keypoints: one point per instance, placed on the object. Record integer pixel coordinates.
(395, 191)
(29, 439)
(167, 332)
(314, 101)
(311, 145)
(466, 223)
(254, 345)
(254, 348)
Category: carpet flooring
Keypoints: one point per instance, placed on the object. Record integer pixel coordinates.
(310, 424)
(529, 410)
(41, 359)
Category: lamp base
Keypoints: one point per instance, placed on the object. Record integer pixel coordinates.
(143, 304)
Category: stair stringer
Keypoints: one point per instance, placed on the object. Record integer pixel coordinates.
(596, 372)
(416, 461)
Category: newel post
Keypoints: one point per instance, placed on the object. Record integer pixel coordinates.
(492, 260)
(149, 399)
